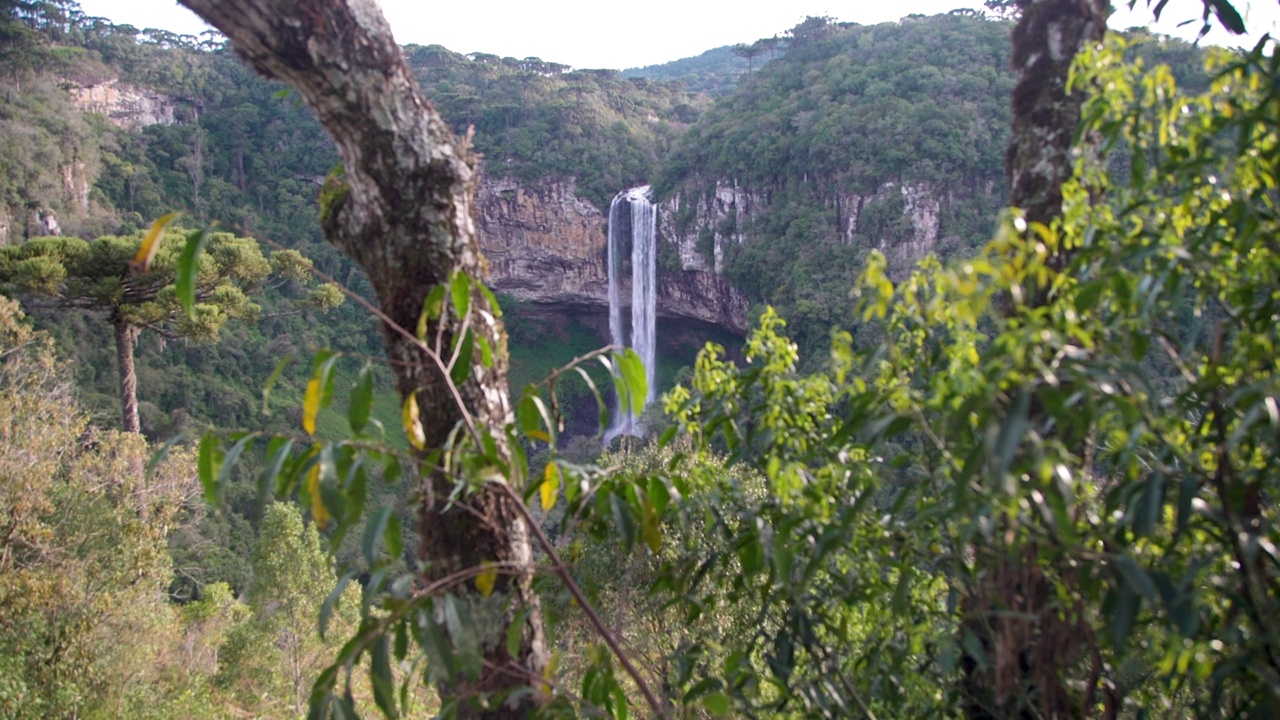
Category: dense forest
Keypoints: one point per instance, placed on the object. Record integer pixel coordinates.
(1022, 470)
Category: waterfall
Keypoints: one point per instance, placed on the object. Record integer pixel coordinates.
(634, 204)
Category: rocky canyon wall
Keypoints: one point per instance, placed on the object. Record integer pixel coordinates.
(132, 107)
(702, 225)
(548, 247)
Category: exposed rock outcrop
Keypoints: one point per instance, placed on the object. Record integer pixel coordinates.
(549, 247)
(902, 220)
(544, 244)
(131, 107)
(43, 222)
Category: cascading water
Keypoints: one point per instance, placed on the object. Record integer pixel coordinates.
(636, 205)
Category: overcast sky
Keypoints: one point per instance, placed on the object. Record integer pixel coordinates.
(613, 34)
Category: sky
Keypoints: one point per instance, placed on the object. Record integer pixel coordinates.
(612, 34)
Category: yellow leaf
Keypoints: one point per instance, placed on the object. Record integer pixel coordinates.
(550, 485)
(311, 406)
(150, 242)
(649, 528)
(412, 422)
(318, 511)
(486, 579)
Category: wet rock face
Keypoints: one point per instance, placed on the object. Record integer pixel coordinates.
(548, 247)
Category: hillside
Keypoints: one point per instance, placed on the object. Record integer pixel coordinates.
(857, 137)
(1032, 479)
(712, 73)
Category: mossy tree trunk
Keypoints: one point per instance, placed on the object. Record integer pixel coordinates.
(1032, 638)
(403, 209)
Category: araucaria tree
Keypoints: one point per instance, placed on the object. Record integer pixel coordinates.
(70, 273)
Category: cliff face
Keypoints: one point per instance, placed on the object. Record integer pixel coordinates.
(904, 221)
(548, 247)
(131, 107)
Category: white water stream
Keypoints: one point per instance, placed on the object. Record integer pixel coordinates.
(636, 205)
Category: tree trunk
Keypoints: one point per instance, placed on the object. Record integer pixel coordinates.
(125, 333)
(1046, 39)
(1030, 639)
(403, 209)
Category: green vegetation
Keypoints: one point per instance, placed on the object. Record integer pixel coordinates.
(839, 126)
(86, 625)
(712, 73)
(535, 119)
(1092, 402)
(131, 282)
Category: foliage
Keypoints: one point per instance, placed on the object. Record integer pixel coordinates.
(840, 126)
(85, 625)
(712, 73)
(906, 473)
(535, 119)
(275, 654)
(95, 276)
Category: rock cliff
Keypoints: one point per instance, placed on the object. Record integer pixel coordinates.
(904, 221)
(131, 107)
(548, 247)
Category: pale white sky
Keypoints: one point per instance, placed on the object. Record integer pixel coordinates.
(612, 34)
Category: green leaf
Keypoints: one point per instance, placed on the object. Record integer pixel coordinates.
(189, 271)
(1228, 16)
(601, 405)
(394, 538)
(532, 415)
(460, 293)
(277, 453)
(1150, 506)
(633, 375)
(1134, 576)
(623, 519)
(902, 593)
(209, 465)
(326, 610)
(488, 295)
(463, 633)
(1123, 613)
(751, 554)
(285, 362)
(391, 470)
(650, 529)
(1011, 432)
(717, 703)
(515, 632)
(440, 658)
(432, 306)
(486, 352)
(361, 400)
(384, 688)
(461, 369)
(376, 528)
(232, 457)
